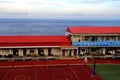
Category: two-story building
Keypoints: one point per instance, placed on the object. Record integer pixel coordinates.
(92, 40)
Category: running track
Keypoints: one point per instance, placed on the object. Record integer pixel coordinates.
(50, 70)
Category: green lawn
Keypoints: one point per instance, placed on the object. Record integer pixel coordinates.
(108, 72)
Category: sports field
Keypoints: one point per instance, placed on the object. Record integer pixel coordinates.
(108, 71)
(46, 70)
(75, 69)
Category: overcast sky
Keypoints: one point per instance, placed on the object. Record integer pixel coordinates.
(80, 9)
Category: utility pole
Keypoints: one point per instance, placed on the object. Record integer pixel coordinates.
(94, 71)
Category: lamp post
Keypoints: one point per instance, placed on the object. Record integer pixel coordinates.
(94, 71)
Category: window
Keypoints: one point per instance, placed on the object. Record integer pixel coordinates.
(75, 52)
(83, 50)
(119, 38)
(5, 50)
(49, 51)
(111, 38)
(86, 38)
(31, 50)
(93, 38)
(15, 51)
(63, 52)
(41, 52)
(93, 49)
(78, 40)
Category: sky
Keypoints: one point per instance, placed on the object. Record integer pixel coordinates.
(70, 9)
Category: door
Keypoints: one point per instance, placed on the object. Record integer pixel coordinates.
(49, 51)
(24, 52)
(63, 52)
(70, 52)
(15, 51)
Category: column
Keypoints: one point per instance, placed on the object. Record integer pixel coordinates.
(113, 52)
(27, 51)
(0, 52)
(78, 51)
(36, 51)
(66, 52)
(46, 51)
(20, 52)
(61, 53)
(104, 51)
(11, 51)
(116, 38)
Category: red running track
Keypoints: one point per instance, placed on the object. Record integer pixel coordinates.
(51, 69)
(73, 72)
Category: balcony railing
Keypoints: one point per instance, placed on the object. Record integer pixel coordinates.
(98, 43)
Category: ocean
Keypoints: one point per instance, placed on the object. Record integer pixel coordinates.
(47, 26)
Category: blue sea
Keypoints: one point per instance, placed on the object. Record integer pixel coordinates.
(47, 26)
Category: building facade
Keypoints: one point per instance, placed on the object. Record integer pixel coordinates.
(79, 40)
(27, 47)
(95, 40)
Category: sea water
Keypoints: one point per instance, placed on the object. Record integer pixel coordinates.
(47, 26)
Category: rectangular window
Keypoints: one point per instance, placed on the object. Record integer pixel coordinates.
(49, 51)
(93, 49)
(119, 38)
(5, 50)
(63, 52)
(31, 50)
(83, 49)
(111, 38)
(24, 51)
(86, 38)
(93, 38)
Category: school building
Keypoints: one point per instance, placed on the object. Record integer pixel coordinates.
(79, 40)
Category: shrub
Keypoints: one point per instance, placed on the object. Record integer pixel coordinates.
(1, 55)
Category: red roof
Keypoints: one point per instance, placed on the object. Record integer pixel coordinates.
(94, 29)
(34, 41)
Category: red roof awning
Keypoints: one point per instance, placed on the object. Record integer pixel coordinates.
(94, 29)
(34, 41)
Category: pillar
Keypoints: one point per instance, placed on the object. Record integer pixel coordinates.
(116, 38)
(45, 51)
(27, 51)
(20, 52)
(104, 51)
(11, 51)
(0, 51)
(78, 51)
(36, 51)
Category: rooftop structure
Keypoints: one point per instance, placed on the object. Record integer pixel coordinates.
(34, 41)
(94, 29)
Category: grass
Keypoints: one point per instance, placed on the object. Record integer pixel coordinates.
(108, 72)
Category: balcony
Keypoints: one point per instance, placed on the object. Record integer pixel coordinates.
(98, 43)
